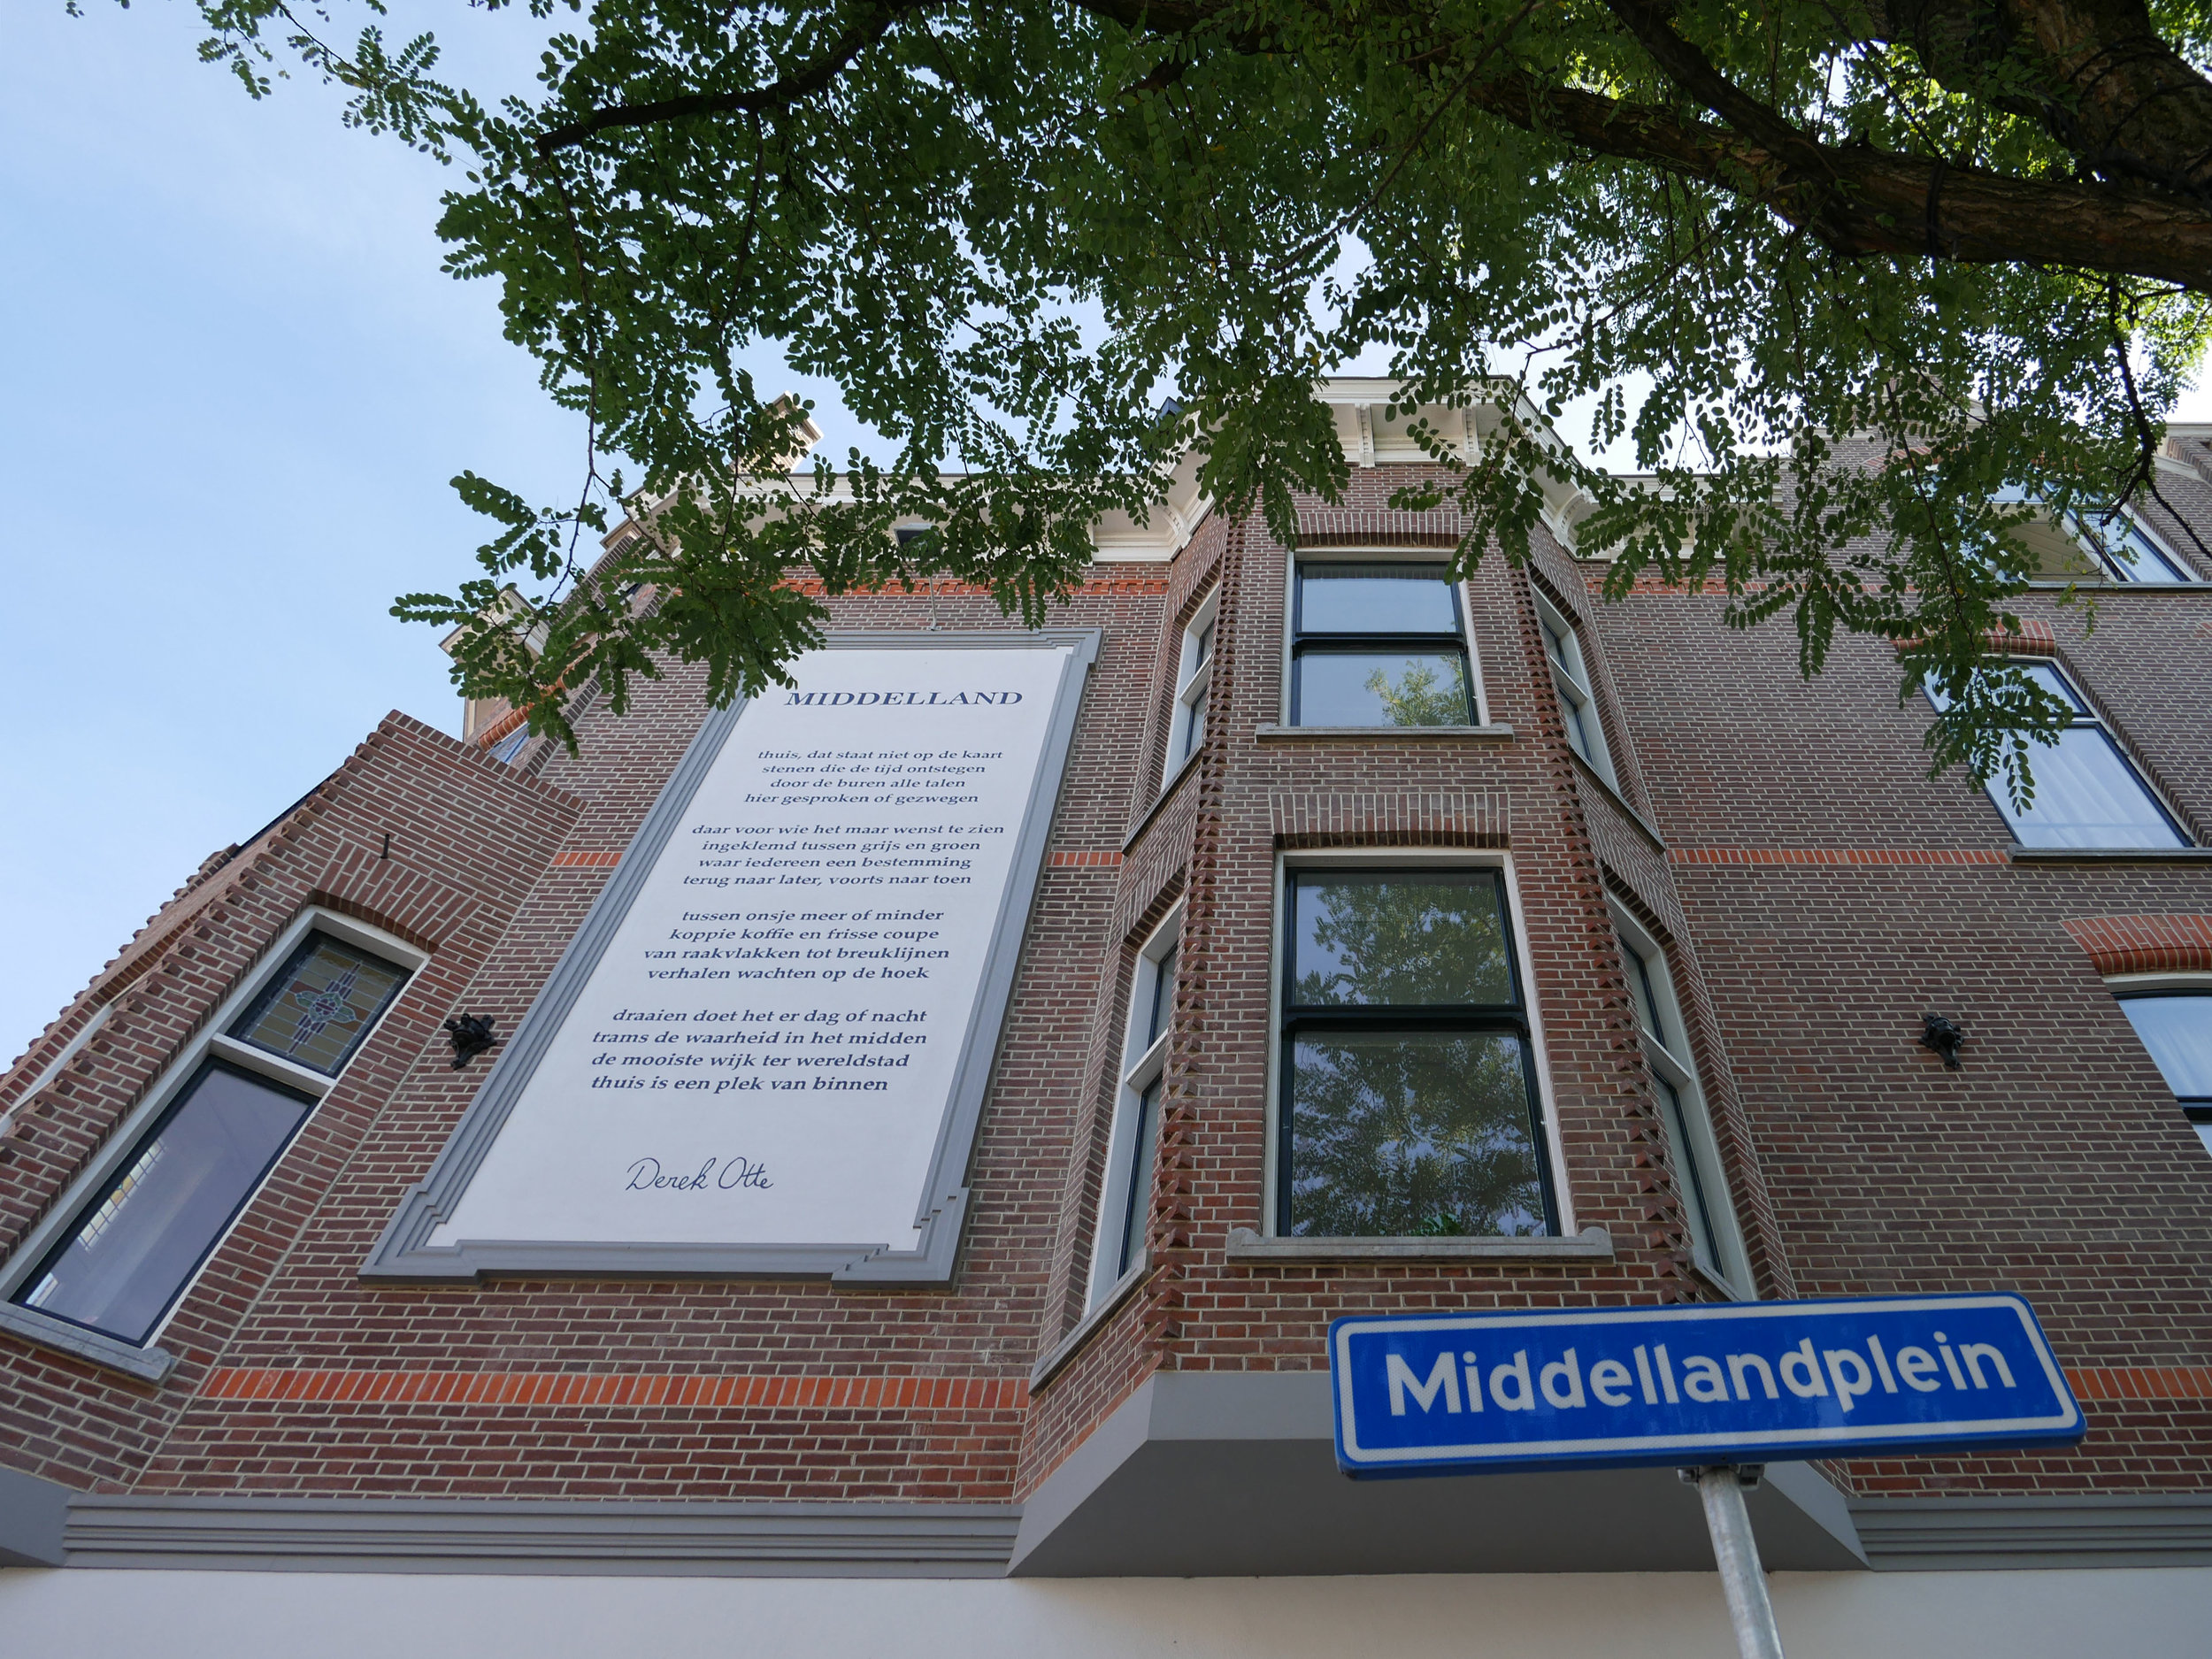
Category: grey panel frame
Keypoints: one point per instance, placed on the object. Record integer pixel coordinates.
(404, 1253)
(658, 1539)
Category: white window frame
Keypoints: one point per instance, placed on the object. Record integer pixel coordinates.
(1722, 1258)
(1194, 681)
(1141, 1066)
(212, 1042)
(1571, 680)
(1408, 859)
(1377, 555)
(2125, 986)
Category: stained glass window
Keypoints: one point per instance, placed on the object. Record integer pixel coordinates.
(316, 1008)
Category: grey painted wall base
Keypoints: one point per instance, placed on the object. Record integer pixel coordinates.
(782, 1541)
(1946, 1534)
(1232, 1473)
(1183, 1494)
(32, 1515)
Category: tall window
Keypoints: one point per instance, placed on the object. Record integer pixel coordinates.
(1410, 1099)
(1690, 1144)
(1571, 678)
(137, 1240)
(2128, 552)
(1194, 675)
(2086, 793)
(1375, 644)
(2177, 1027)
(1133, 1145)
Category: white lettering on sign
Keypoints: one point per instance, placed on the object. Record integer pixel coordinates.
(765, 1048)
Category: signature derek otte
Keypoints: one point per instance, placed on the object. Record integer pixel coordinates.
(716, 1174)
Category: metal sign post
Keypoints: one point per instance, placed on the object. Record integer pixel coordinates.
(1736, 1553)
(1710, 1389)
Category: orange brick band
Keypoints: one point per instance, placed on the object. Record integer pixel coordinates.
(1837, 855)
(588, 1389)
(586, 861)
(500, 727)
(814, 587)
(2034, 636)
(1083, 860)
(2098, 1384)
(2109, 1383)
(2145, 944)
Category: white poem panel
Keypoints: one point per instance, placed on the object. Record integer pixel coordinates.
(764, 1052)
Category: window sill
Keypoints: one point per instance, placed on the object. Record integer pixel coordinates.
(2105, 585)
(148, 1364)
(1066, 1348)
(2111, 854)
(1592, 1243)
(1368, 733)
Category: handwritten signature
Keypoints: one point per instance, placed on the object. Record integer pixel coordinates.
(716, 1174)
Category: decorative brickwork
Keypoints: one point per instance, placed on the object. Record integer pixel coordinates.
(2145, 944)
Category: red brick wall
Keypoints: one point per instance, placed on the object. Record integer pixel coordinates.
(1817, 895)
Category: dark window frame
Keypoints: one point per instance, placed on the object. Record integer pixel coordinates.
(218, 1049)
(1306, 641)
(2086, 716)
(1293, 1018)
(124, 1168)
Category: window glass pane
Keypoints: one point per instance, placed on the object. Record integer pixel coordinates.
(2086, 795)
(1383, 688)
(2134, 556)
(1374, 599)
(143, 1239)
(2055, 682)
(1195, 732)
(1639, 990)
(1163, 1008)
(319, 1007)
(1204, 649)
(1412, 1132)
(1421, 939)
(1554, 643)
(2044, 675)
(512, 745)
(2178, 1031)
(1137, 1211)
(1571, 711)
(1685, 1150)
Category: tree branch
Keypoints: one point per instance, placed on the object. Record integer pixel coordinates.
(866, 32)
(1859, 200)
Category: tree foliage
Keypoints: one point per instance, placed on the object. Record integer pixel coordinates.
(1839, 274)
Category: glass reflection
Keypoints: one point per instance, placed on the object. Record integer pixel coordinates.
(1374, 599)
(132, 1255)
(1412, 1133)
(1383, 688)
(1423, 938)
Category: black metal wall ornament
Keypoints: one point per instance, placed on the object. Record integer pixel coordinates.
(472, 1036)
(1946, 1037)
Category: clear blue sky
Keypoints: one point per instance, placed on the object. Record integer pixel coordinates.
(236, 384)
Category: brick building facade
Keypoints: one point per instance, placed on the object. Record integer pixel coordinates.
(1655, 793)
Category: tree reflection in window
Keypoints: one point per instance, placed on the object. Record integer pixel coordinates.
(1409, 1098)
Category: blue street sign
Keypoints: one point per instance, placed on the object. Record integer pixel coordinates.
(1731, 1382)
